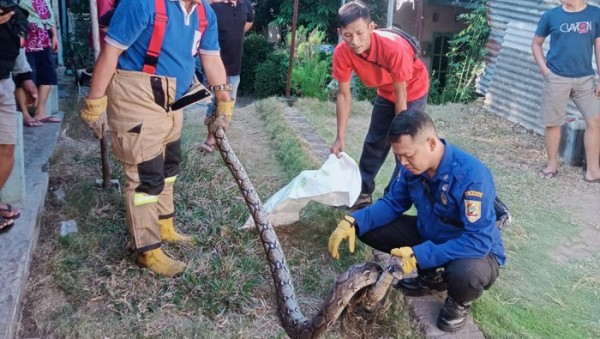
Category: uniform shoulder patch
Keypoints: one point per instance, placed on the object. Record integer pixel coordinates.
(475, 194)
(472, 210)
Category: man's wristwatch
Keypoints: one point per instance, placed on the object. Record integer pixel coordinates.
(223, 87)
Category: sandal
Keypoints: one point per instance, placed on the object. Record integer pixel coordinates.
(14, 213)
(6, 224)
(547, 175)
(49, 119)
(32, 123)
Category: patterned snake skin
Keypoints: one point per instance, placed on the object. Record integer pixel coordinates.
(362, 283)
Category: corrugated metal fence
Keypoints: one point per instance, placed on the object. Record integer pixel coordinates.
(512, 82)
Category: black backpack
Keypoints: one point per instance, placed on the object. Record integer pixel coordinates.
(414, 42)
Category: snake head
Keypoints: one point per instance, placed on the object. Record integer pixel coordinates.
(395, 267)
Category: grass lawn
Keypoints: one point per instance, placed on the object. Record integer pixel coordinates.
(550, 287)
(87, 285)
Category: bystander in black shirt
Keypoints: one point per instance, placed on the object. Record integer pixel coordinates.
(232, 16)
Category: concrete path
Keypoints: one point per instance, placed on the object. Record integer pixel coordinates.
(18, 244)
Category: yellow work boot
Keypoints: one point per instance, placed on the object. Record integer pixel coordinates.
(157, 261)
(168, 233)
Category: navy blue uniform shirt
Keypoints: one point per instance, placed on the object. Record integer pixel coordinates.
(460, 223)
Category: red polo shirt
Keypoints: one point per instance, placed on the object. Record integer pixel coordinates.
(390, 59)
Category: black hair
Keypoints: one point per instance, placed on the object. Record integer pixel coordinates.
(411, 123)
(351, 12)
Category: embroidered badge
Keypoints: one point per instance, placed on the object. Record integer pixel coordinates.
(444, 199)
(473, 210)
(475, 194)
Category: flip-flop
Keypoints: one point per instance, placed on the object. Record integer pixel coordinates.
(49, 119)
(6, 224)
(593, 181)
(32, 123)
(547, 175)
(14, 214)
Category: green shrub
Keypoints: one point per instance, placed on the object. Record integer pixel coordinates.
(362, 92)
(467, 55)
(436, 92)
(271, 75)
(256, 51)
(312, 68)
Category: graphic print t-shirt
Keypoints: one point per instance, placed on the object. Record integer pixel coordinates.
(572, 37)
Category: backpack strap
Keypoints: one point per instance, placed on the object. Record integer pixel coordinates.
(413, 42)
(156, 40)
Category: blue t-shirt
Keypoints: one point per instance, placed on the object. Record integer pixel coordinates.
(572, 36)
(131, 28)
(461, 221)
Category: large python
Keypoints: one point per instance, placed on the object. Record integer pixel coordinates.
(359, 290)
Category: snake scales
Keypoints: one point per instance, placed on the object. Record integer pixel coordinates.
(358, 290)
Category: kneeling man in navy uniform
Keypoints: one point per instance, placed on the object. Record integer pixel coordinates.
(453, 242)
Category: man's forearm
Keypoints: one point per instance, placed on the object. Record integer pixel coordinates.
(401, 97)
(104, 70)
(538, 56)
(215, 73)
(343, 106)
(597, 54)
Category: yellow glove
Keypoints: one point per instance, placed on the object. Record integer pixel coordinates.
(409, 261)
(94, 115)
(221, 117)
(344, 230)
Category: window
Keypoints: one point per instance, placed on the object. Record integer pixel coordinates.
(439, 57)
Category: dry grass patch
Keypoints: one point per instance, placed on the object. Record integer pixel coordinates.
(87, 285)
(549, 287)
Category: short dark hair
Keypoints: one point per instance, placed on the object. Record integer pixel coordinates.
(351, 12)
(410, 122)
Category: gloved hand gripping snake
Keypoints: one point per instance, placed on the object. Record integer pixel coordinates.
(365, 283)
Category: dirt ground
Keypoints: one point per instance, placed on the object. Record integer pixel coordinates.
(520, 151)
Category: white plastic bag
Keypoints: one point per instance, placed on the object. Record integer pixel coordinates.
(336, 183)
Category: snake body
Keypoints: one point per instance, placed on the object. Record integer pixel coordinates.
(352, 285)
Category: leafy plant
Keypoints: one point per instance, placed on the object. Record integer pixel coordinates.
(312, 67)
(322, 14)
(362, 92)
(256, 51)
(436, 92)
(77, 50)
(466, 55)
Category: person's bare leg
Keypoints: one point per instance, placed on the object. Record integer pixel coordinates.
(552, 142)
(7, 159)
(591, 140)
(40, 110)
(21, 98)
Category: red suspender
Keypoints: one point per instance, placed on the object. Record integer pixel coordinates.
(202, 21)
(158, 33)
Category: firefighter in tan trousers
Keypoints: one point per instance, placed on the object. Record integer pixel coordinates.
(146, 65)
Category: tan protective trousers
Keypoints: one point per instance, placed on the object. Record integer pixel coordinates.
(145, 138)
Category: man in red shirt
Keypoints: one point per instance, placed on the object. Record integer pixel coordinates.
(380, 59)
